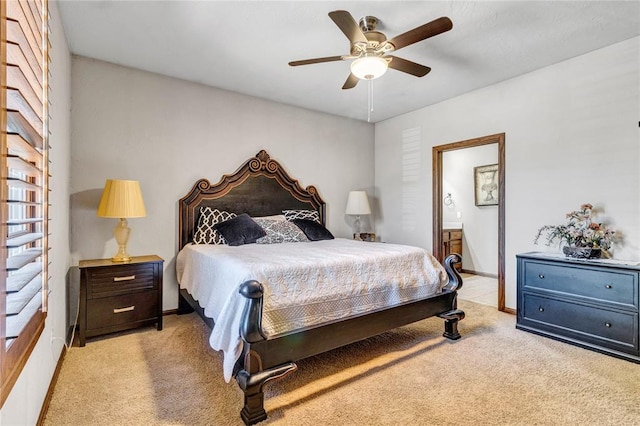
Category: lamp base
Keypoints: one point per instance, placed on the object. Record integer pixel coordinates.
(121, 233)
(121, 258)
(356, 229)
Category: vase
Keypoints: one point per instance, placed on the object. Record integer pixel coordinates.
(582, 252)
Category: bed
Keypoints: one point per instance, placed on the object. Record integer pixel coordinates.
(257, 326)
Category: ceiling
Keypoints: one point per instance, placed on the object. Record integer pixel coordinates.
(245, 46)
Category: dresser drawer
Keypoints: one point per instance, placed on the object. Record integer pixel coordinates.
(451, 235)
(608, 328)
(128, 308)
(619, 287)
(455, 235)
(110, 281)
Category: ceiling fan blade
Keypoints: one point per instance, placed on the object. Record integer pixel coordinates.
(408, 66)
(430, 29)
(351, 82)
(348, 25)
(315, 60)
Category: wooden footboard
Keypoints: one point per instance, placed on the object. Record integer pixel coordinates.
(265, 359)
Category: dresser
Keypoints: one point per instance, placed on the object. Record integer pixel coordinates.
(592, 304)
(116, 296)
(452, 243)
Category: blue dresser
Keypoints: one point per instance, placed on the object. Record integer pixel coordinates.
(591, 304)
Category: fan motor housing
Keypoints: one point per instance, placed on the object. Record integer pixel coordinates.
(368, 26)
(368, 23)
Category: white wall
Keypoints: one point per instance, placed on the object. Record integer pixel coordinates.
(167, 133)
(480, 223)
(23, 404)
(571, 138)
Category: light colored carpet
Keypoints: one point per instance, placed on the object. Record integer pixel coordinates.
(494, 375)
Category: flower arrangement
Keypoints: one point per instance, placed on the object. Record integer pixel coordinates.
(580, 231)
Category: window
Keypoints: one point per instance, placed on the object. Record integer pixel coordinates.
(24, 183)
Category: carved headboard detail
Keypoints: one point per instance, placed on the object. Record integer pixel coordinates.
(260, 187)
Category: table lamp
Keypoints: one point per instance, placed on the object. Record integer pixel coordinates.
(121, 199)
(358, 205)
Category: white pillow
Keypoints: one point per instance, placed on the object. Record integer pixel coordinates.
(274, 217)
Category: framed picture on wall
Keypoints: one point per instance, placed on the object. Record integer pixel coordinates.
(485, 180)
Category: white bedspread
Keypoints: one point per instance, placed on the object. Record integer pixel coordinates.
(306, 284)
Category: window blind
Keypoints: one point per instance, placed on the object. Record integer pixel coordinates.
(25, 182)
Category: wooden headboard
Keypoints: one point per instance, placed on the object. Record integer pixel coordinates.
(260, 187)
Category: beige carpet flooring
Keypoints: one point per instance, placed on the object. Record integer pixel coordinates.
(494, 375)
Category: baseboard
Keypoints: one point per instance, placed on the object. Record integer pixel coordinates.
(52, 385)
(482, 274)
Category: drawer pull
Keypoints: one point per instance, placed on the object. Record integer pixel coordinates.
(541, 309)
(541, 276)
(127, 309)
(127, 278)
(607, 324)
(608, 286)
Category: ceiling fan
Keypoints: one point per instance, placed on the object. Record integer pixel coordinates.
(369, 48)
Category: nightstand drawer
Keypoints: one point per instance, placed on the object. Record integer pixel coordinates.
(109, 281)
(128, 308)
(610, 286)
(587, 323)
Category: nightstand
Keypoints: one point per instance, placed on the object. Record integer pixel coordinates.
(116, 296)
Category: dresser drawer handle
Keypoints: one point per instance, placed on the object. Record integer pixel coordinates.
(541, 276)
(127, 278)
(607, 324)
(608, 286)
(127, 309)
(541, 309)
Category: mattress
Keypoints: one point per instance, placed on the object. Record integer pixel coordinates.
(306, 284)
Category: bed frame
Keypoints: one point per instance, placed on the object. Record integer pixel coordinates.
(261, 187)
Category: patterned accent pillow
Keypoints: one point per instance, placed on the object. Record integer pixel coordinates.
(302, 214)
(205, 234)
(279, 231)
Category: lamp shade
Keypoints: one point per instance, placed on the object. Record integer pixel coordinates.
(121, 199)
(369, 67)
(358, 203)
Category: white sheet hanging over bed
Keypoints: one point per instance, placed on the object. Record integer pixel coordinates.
(306, 284)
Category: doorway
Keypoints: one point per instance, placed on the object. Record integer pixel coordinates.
(438, 246)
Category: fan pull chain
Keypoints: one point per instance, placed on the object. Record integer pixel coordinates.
(370, 105)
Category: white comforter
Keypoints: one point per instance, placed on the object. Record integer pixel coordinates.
(306, 284)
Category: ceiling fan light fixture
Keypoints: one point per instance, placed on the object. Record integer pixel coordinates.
(369, 67)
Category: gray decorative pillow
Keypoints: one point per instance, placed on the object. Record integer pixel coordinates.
(279, 231)
(205, 233)
(301, 214)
